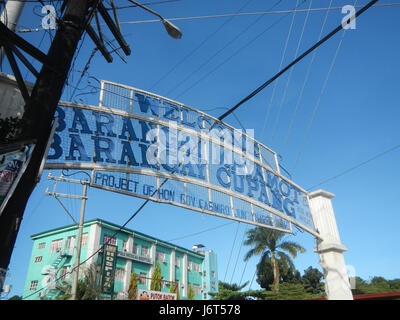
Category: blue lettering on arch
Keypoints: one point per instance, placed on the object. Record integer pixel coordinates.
(79, 118)
(77, 145)
(108, 149)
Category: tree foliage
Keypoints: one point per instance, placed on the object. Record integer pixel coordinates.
(276, 254)
(88, 288)
(228, 291)
(155, 284)
(133, 283)
(190, 292)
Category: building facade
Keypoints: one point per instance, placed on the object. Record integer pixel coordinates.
(53, 257)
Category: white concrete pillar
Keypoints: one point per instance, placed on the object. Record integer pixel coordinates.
(172, 266)
(153, 250)
(330, 248)
(128, 265)
(185, 276)
(93, 243)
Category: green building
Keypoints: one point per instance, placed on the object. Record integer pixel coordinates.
(53, 257)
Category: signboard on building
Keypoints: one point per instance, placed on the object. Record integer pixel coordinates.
(108, 268)
(155, 295)
(135, 140)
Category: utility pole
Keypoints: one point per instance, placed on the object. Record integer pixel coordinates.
(38, 118)
(10, 16)
(75, 273)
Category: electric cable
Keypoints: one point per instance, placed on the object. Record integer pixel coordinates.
(200, 232)
(355, 167)
(304, 83)
(214, 55)
(196, 48)
(280, 67)
(234, 54)
(237, 258)
(316, 107)
(230, 255)
(289, 77)
(268, 82)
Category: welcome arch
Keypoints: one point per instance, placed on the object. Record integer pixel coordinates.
(134, 140)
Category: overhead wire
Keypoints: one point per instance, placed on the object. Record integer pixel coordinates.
(316, 107)
(355, 167)
(197, 47)
(230, 255)
(304, 83)
(214, 55)
(257, 13)
(280, 68)
(307, 52)
(232, 55)
(275, 126)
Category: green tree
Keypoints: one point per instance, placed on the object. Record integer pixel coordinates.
(312, 280)
(133, 283)
(228, 291)
(156, 278)
(174, 289)
(272, 246)
(190, 292)
(88, 288)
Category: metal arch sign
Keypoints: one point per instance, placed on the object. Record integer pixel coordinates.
(134, 140)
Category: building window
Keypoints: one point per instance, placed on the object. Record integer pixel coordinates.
(125, 245)
(205, 296)
(196, 289)
(204, 273)
(196, 267)
(107, 239)
(119, 274)
(135, 248)
(213, 285)
(213, 274)
(64, 273)
(142, 278)
(84, 239)
(56, 245)
(42, 245)
(38, 259)
(177, 262)
(190, 265)
(69, 244)
(160, 256)
(33, 285)
(204, 285)
(145, 251)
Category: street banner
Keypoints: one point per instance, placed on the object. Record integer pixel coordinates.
(13, 162)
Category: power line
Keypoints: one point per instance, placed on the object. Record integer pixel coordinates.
(197, 48)
(355, 167)
(215, 54)
(203, 231)
(256, 13)
(290, 76)
(230, 255)
(304, 83)
(268, 82)
(234, 54)
(316, 107)
(280, 67)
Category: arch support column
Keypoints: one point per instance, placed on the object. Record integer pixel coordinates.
(330, 248)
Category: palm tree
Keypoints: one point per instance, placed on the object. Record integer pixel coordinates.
(272, 246)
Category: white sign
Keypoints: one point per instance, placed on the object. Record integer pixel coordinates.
(155, 295)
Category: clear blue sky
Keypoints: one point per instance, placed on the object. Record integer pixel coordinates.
(357, 119)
